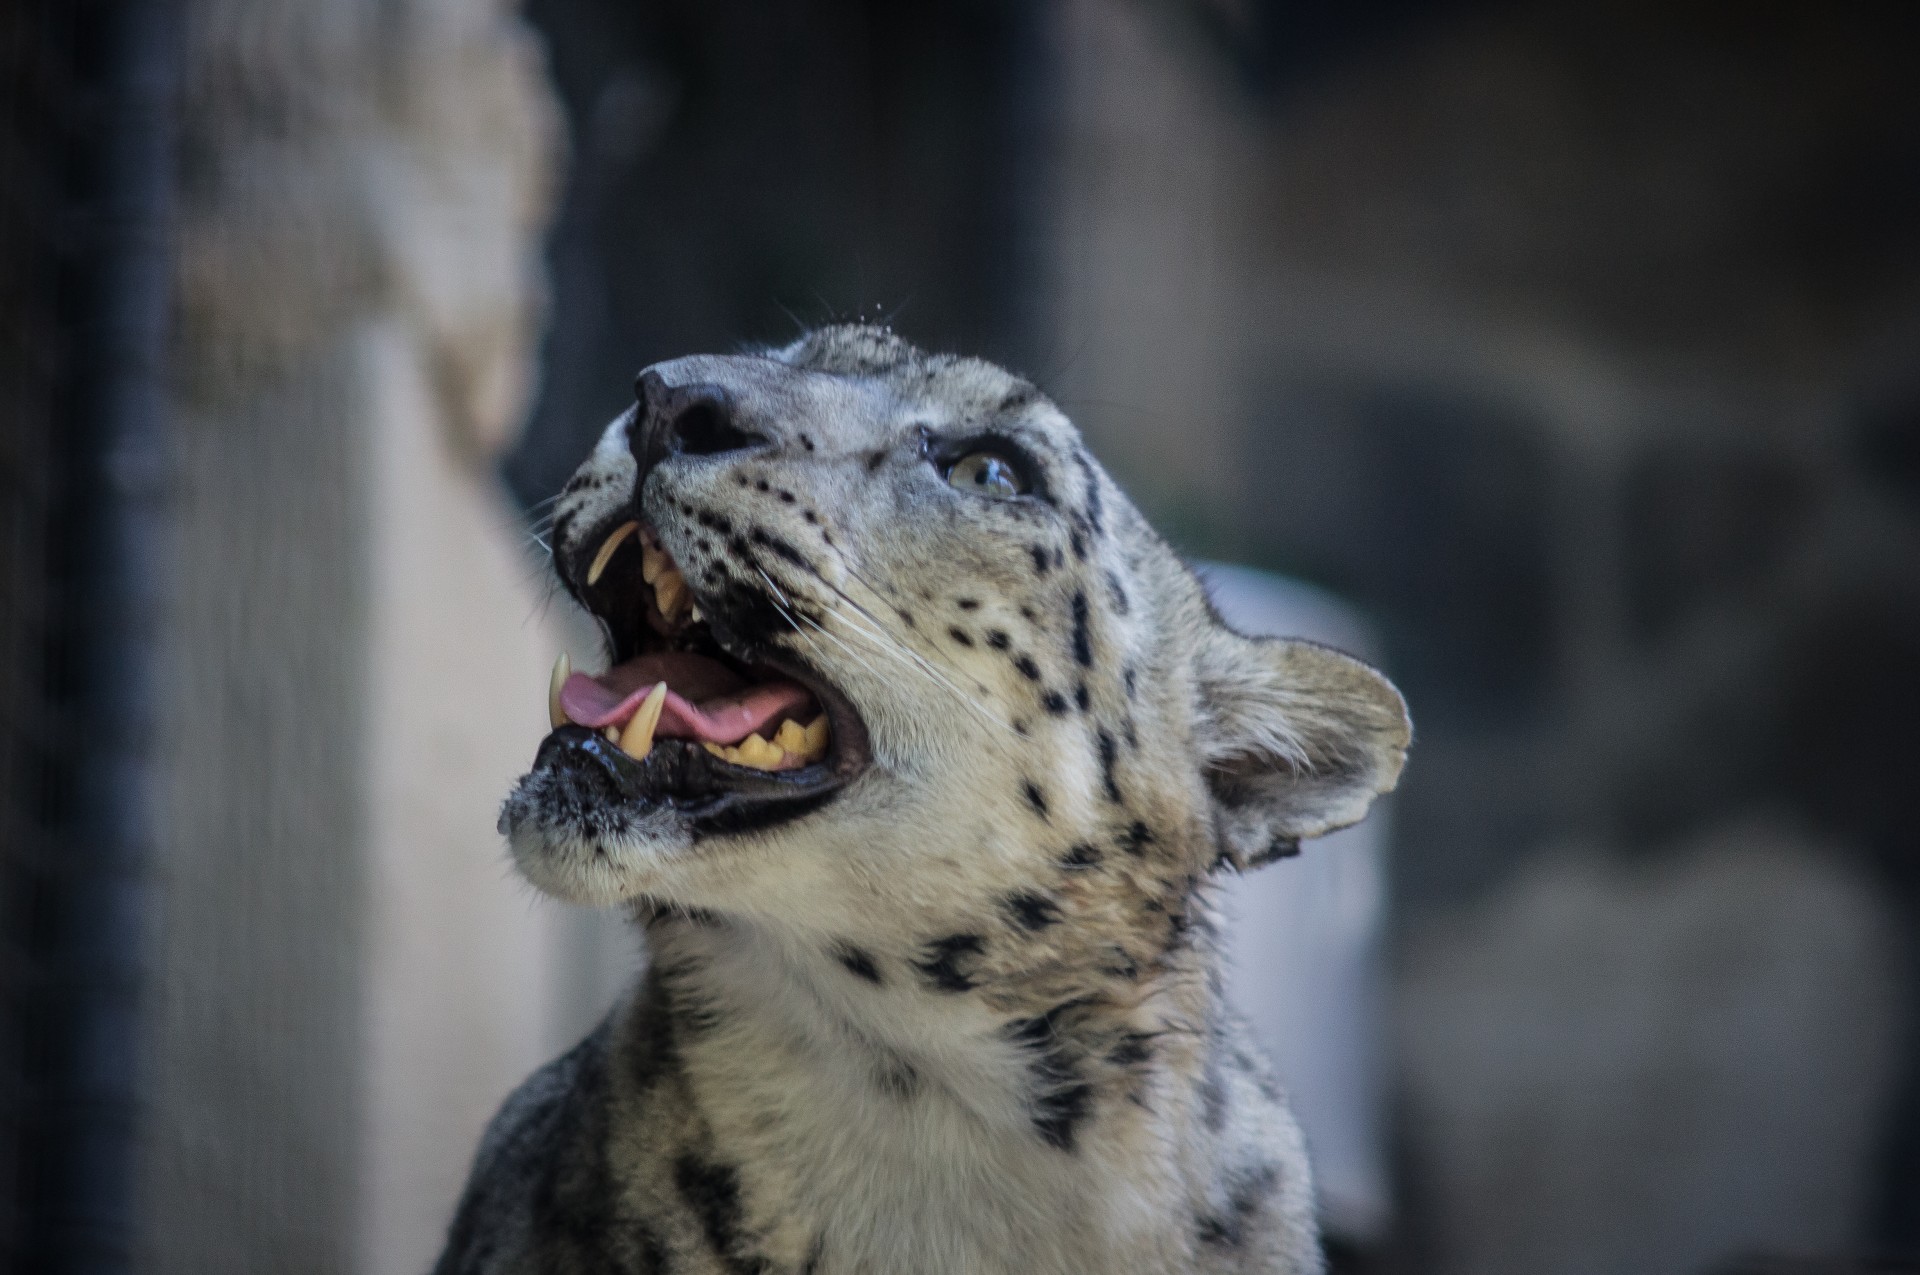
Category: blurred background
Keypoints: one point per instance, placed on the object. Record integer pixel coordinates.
(1566, 354)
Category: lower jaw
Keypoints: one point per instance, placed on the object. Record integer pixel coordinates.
(680, 777)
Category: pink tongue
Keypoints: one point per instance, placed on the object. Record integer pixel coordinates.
(705, 700)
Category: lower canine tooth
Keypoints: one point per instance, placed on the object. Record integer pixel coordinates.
(636, 741)
(562, 670)
(817, 736)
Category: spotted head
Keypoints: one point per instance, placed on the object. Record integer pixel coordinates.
(888, 650)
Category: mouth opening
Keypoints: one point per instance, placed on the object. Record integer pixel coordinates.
(697, 712)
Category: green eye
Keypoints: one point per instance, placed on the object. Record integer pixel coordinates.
(986, 474)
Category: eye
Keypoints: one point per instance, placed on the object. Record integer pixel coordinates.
(986, 474)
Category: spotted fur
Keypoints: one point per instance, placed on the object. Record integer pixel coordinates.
(966, 1015)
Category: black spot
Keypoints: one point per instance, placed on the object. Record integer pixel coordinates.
(806, 442)
(1036, 798)
(942, 962)
(968, 604)
(781, 548)
(1131, 1050)
(712, 1191)
(763, 485)
(1028, 669)
(1136, 838)
(906, 617)
(1107, 752)
(1079, 544)
(810, 516)
(1054, 702)
(1217, 1231)
(1080, 855)
(1127, 677)
(1213, 1098)
(1120, 964)
(1019, 725)
(1041, 561)
(876, 460)
(1082, 641)
(1032, 911)
(899, 1078)
(786, 497)
(815, 1256)
(1246, 1192)
(1061, 1097)
(1118, 594)
(714, 522)
(998, 639)
(858, 962)
(960, 635)
(1278, 848)
(1093, 489)
(1133, 740)
(1017, 398)
(1026, 613)
(1081, 697)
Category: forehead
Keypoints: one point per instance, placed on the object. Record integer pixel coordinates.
(942, 391)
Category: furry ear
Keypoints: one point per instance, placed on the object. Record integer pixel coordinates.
(1296, 740)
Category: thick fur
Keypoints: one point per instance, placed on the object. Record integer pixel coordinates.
(966, 1017)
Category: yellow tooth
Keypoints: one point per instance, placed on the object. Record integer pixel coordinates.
(612, 733)
(817, 736)
(636, 741)
(792, 737)
(715, 749)
(693, 613)
(607, 547)
(653, 561)
(669, 591)
(562, 670)
(758, 753)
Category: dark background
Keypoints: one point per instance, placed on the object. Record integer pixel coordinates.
(1578, 346)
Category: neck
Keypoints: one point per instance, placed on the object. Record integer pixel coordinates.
(927, 1103)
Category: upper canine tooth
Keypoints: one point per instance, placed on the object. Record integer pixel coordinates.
(607, 547)
(562, 670)
(636, 741)
(817, 735)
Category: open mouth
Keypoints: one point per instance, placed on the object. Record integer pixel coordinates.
(698, 713)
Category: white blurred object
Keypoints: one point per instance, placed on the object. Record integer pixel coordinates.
(1303, 944)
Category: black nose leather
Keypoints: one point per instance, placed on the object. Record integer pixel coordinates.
(686, 420)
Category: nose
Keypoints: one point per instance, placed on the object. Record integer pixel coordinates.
(702, 419)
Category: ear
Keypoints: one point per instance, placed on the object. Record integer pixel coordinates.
(1296, 740)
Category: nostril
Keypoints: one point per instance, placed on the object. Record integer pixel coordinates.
(704, 428)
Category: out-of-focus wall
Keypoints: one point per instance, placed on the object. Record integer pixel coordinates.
(347, 978)
(1574, 345)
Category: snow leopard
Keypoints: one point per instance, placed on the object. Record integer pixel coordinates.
(918, 755)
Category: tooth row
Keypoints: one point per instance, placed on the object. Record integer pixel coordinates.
(792, 740)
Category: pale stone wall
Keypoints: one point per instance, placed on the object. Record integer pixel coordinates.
(347, 977)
